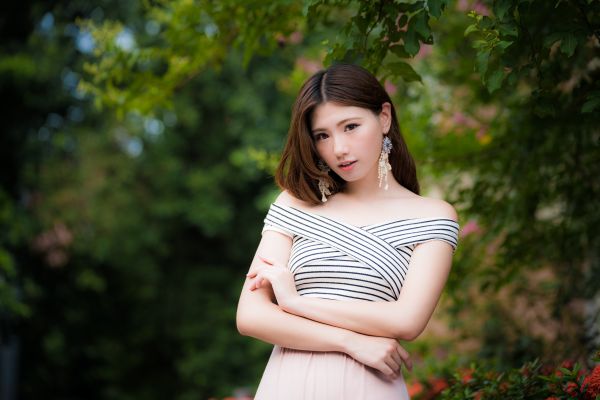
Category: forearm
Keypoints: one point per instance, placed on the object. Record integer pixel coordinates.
(370, 318)
(269, 323)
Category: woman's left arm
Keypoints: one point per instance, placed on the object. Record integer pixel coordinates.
(404, 318)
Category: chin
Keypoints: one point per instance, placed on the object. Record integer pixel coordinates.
(353, 178)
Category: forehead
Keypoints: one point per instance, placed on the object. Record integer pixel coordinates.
(328, 114)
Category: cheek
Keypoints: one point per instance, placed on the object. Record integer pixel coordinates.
(324, 150)
(321, 151)
(370, 143)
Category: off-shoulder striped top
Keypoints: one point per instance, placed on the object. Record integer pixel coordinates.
(335, 260)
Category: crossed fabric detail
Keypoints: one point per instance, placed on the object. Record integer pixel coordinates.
(356, 242)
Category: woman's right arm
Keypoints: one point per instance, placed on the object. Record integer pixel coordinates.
(259, 317)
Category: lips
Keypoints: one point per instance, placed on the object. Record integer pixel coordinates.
(346, 164)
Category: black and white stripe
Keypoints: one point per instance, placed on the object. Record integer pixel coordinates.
(335, 260)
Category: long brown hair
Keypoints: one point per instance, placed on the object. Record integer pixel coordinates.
(346, 85)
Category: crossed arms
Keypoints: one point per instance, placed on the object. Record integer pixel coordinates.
(271, 310)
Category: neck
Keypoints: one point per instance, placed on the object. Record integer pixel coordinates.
(368, 188)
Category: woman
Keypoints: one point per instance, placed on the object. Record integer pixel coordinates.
(350, 226)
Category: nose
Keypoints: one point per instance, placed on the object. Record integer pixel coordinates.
(340, 146)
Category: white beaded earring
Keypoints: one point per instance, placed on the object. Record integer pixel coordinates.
(323, 184)
(384, 164)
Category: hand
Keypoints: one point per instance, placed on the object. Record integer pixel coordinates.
(280, 278)
(382, 353)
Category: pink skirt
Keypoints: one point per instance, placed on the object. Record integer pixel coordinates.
(303, 375)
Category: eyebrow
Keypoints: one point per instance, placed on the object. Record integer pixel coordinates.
(338, 124)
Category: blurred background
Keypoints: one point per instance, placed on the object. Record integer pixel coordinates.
(137, 150)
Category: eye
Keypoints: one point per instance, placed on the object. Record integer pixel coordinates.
(353, 125)
(320, 136)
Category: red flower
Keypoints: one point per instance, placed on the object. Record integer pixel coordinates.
(415, 389)
(545, 370)
(552, 398)
(572, 389)
(591, 384)
(467, 375)
(437, 385)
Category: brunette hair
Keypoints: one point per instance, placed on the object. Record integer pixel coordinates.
(346, 85)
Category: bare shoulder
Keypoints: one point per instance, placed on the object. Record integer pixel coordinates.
(285, 198)
(437, 208)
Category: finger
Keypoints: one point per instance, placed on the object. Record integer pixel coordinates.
(397, 360)
(256, 281)
(405, 358)
(253, 271)
(387, 371)
(393, 364)
(261, 279)
(252, 285)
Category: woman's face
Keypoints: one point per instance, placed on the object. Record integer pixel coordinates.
(347, 134)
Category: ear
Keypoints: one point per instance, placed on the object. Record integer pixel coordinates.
(385, 116)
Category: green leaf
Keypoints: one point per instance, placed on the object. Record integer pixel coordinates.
(421, 24)
(404, 70)
(435, 7)
(508, 29)
(482, 59)
(501, 7)
(400, 51)
(512, 77)
(551, 39)
(486, 23)
(411, 43)
(471, 28)
(568, 44)
(494, 80)
(480, 44)
(309, 9)
(403, 20)
(361, 23)
(503, 44)
(590, 105)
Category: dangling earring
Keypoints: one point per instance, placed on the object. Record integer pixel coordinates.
(384, 164)
(323, 184)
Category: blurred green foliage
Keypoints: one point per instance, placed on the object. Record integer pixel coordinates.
(525, 175)
(139, 140)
